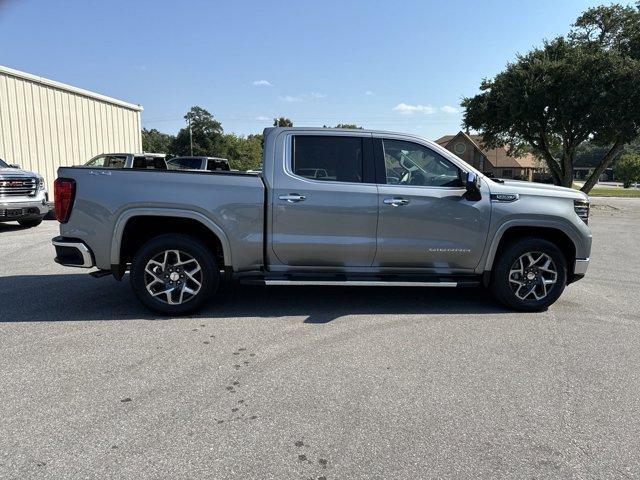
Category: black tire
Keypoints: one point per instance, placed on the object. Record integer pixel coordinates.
(503, 289)
(208, 275)
(31, 222)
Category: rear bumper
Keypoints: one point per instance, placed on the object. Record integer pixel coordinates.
(72, 253)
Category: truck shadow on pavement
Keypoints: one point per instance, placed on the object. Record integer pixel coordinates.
(79, 297)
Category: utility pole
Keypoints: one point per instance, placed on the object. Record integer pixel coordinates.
(190, 136)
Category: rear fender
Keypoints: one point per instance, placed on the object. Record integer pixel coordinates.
(116, 240)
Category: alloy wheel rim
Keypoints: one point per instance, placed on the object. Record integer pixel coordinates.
(532, 276)
(173, 277)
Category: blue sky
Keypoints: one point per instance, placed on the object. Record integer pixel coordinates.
(402, 65)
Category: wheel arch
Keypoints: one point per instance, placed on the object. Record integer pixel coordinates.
(562, 237)
(150, 222)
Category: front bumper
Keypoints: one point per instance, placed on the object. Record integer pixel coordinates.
(579, 269)
(23, 208)
(72, 253)
(581, 266)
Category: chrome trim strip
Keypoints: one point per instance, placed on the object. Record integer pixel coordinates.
(87, 261)
(360, 283)
(581, 266)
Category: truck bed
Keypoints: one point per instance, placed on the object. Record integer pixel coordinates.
(232, 202)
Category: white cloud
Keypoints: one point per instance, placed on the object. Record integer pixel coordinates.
(262, 83)
(317, 95)
(262, 118)
(406, 109)
(449, 109)
(368, 93)
(290, 98)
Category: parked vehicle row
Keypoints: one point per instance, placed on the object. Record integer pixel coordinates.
(157, 161)
(23, 196)
(331, 207)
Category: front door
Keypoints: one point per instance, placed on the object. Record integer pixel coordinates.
(325, 201)
(426, 221)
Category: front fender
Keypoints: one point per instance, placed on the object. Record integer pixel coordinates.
(580, 237)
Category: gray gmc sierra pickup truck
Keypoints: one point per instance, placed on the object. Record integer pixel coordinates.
(331, 207)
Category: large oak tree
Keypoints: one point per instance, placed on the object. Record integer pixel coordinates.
(573, 90)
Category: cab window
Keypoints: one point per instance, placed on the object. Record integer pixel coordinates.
(185, 163)
(328, 158)
(408, 163)
(98, 161)
(115, 161)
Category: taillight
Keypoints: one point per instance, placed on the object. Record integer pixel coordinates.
(64, 191)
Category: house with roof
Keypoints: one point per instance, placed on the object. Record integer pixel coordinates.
(494, 162)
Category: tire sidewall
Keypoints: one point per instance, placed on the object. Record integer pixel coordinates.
(30, 223)
(500, 278)
(189, 245)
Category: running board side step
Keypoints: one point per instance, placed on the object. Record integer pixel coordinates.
(355, 280)
(360, 283)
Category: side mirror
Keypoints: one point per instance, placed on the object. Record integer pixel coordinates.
(14, 165)
(473, 186)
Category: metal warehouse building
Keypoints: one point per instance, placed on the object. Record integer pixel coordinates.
(46, 124)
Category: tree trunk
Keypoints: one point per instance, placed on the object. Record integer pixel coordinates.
(567, 178)
(554, 168)
(567, 167)
(607, 160)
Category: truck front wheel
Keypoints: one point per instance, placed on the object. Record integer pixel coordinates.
(174, 274)
(529, 275)
(31, 222)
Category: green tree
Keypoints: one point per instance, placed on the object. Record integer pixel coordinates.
(610, 27)
(627, 169)
(282, 122)
(156, 142)
(207, 134)
(244, 153)
(568, 92)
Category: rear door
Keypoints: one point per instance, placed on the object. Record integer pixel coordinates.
(426, 220)
(325, 200)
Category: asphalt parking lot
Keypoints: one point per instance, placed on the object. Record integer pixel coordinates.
(279, 383)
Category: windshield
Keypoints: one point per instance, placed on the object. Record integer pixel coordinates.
(3, 164)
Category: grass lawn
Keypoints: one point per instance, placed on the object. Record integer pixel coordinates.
(615, 192)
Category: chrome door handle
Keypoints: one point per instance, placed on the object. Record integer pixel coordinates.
(292, 198)
(396, 201)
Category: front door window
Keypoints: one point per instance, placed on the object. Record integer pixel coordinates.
(407, 163)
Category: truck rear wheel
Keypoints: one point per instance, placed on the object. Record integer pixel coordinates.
(529, 275)
(174, 274)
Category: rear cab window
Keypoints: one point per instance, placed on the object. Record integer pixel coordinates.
(185, 163)
(217, 164)
(329, 158)
(149, 163)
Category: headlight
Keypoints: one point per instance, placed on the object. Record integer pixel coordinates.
(40, 183)
(582, 210)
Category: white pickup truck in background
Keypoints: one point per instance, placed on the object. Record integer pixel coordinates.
(23, 196)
